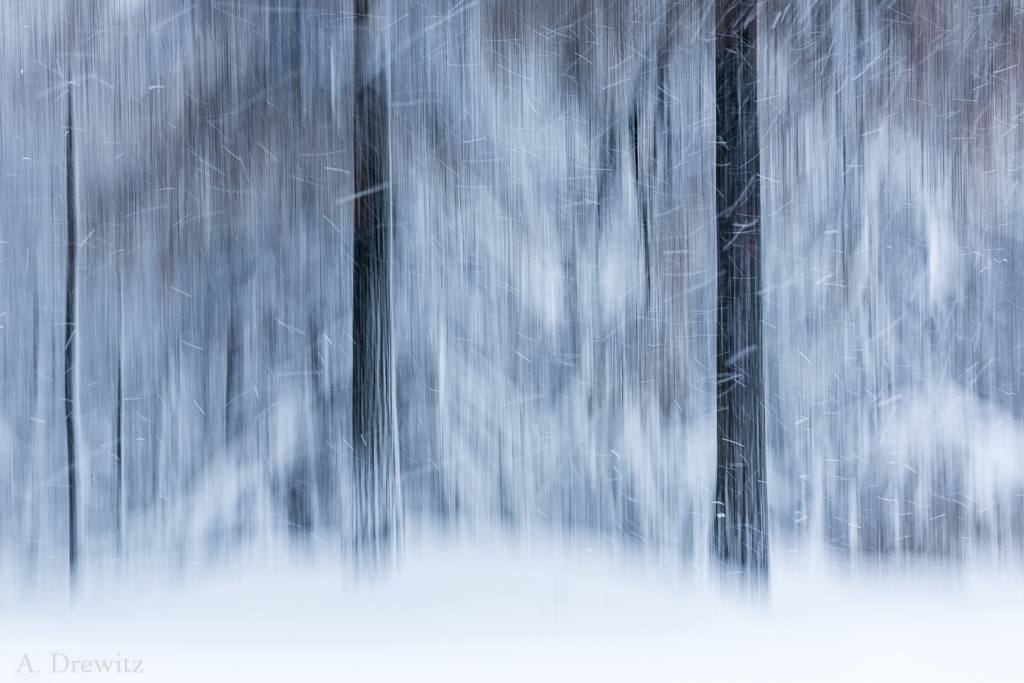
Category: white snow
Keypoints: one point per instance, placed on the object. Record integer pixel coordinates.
(528, 614)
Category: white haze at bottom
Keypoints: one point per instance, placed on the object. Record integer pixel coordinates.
(506, 611)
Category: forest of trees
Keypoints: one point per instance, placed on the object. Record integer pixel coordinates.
(307, 276)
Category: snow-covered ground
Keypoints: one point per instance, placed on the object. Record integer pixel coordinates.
(455, 613)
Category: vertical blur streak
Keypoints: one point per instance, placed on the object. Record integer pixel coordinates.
(69, 340)
(739, 530)
(375, 446)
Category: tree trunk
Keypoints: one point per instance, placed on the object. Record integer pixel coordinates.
(740, 534)
(119, 425)
(69, 345)
(376, 467)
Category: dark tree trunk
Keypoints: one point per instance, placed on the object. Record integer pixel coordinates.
(119, 425)
(376, 466)
(740, 534)
(69, 344)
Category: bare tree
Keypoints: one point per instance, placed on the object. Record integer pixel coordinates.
(377, 476)
(69, 341)
(119, 422)
(739, 530)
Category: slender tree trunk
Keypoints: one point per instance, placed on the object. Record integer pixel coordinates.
(119, 457)
(69, 345)
(119, 423)
(376, 466)
(740, 534)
